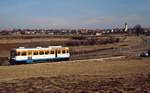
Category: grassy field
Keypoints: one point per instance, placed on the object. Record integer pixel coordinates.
(9, 42)
(73, 67)
(123, 75)
(77, 52)
(126, 75)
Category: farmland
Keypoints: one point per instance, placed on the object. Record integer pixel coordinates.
(85, 72)
(90, 76)
(79, 50)
(7, 43)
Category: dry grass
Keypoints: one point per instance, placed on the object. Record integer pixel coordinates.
(11, 41)
(130, 75)
(138, 83)
(75, 68)
(115, 76)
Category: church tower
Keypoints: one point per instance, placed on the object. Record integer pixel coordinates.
(126, 27)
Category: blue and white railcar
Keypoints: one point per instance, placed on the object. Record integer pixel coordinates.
(31, 55)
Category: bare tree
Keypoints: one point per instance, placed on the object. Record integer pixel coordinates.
(138, 29)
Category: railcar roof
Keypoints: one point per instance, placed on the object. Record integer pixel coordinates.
(39, 48)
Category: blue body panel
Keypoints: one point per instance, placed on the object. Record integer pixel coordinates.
(38, 60)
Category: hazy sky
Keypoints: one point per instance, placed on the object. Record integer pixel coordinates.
(73, 13)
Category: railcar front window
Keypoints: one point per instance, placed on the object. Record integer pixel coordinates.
(67, 51)
(18, 53)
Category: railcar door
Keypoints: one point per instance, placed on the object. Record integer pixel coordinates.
(29, 57)
(56, 53)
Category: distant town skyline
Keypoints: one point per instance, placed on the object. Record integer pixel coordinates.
(74, 14)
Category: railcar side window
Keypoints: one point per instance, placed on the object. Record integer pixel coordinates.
(29, 52)
(41, 53)
(46, 52)
(52, 51)
(35, 53)
(63, 51)
(59, 52)
(24, 53)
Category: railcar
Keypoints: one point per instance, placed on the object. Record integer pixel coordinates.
(39, 54)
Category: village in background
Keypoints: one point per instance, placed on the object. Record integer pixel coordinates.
(137, 29)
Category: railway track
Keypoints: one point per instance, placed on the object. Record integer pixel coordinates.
(97, 59)
(101, 59)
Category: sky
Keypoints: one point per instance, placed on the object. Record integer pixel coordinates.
(73, 14)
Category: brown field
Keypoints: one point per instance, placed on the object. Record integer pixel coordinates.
(7, 43)
(126, 46)
(84, 73)
(121, 75)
